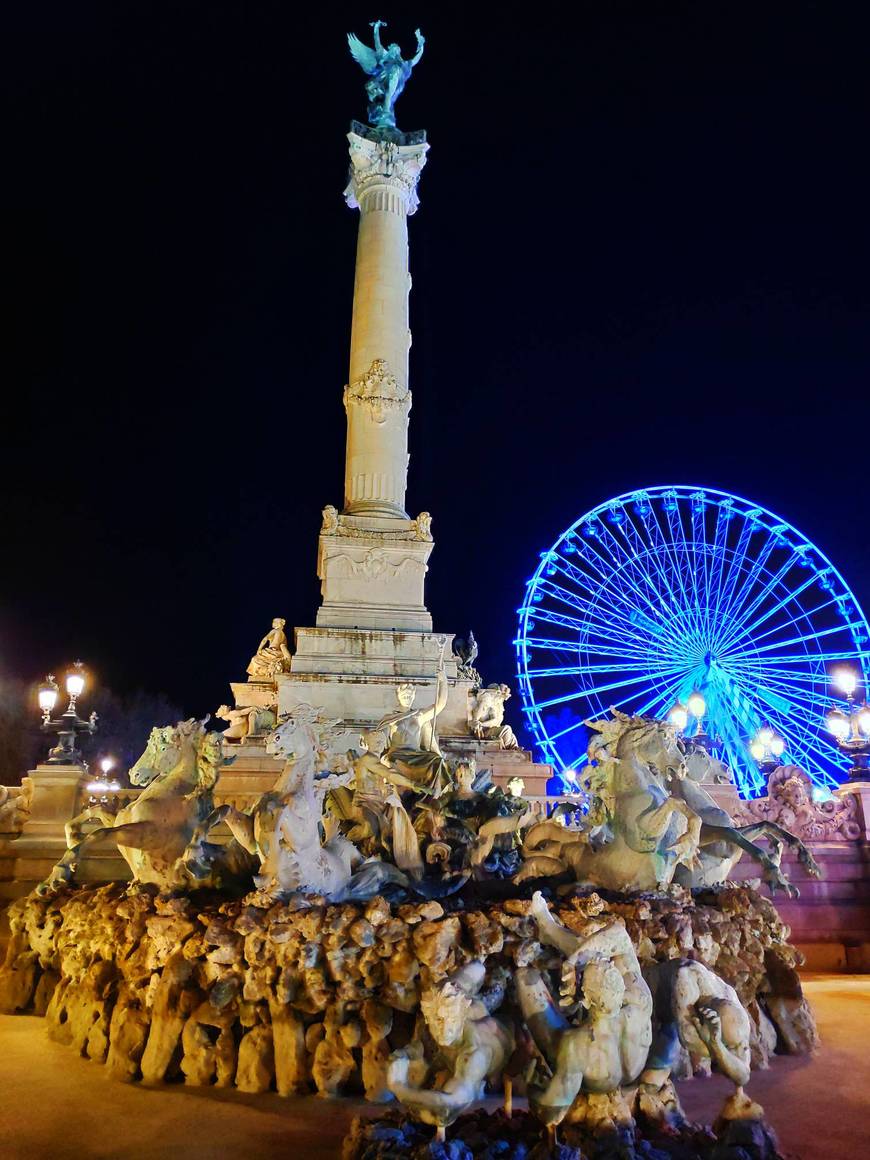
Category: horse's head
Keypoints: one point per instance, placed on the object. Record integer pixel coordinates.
(703, 767)
(209, 758)
(303, 735)
(655, 743)
(641, 740)
(161, 755)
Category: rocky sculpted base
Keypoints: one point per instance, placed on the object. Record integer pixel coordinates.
(303, 996)
(483, 1135)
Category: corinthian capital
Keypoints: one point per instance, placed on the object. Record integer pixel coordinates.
(385, 166)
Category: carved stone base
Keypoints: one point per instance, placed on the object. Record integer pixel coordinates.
(372, 570)
(352, 675)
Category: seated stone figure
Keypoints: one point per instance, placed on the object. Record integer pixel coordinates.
(487, 716)
(413, 749)
(474, 1048)
(272, 656)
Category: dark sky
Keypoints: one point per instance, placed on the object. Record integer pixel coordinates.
(641, 257)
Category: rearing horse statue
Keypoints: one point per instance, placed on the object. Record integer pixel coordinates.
(646, 832)
(179, 769)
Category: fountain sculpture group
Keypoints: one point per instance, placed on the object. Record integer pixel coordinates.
(387, 920)
(384, 927)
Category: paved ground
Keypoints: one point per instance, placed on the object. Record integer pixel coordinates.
(57, 1106)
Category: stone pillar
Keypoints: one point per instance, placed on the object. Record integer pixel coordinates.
(383, 184)
(55, 794)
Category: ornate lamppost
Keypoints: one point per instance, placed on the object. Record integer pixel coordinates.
(695, 710)
(766, 748)
(69, 725)
(851, 728)
(103, 789)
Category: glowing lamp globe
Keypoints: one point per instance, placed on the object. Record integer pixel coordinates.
(757, 750)
(696, 705)
(106, 764)
(47, 697)
(838, 724)
(75, 682)
(846, 681)
(679, 717)
(864, 722)
(777, 746)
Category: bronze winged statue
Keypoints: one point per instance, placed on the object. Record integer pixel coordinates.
(388, 73)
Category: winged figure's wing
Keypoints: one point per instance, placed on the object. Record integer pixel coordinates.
(364, 56)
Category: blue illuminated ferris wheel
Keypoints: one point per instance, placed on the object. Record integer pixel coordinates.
(663, 592)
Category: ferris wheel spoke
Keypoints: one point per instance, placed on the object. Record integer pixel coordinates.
(675, 547)
(667, 547)
(595, 691)
(651, 556)
(621, 576)
(750, 593)
(796, 686)
(574, 600)
(737, 562)
(789, 625)
(739, 628)
(585, 670)
(645, 562)
(797, 660)
(804, 638)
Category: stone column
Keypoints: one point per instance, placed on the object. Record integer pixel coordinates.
(55, 796)
(383, 184)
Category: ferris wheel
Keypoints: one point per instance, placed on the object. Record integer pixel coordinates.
(662, 593)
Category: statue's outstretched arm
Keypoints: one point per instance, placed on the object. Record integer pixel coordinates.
(421, 42)
(546, 1023)
(377, 25)
(562, 1089)
(708, 1023)
(442, 690)
(607, 943)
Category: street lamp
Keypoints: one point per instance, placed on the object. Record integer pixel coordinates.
(102, 791)
(851, 729)
(766, 748)
(69, 725)
(695, 709)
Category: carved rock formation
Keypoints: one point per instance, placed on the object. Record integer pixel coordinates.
(305, 994)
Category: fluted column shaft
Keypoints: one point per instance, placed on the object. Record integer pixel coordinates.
(383, 184)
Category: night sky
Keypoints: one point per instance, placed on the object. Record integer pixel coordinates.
(641, 257)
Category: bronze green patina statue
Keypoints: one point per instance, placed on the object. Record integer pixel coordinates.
(388, 73)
